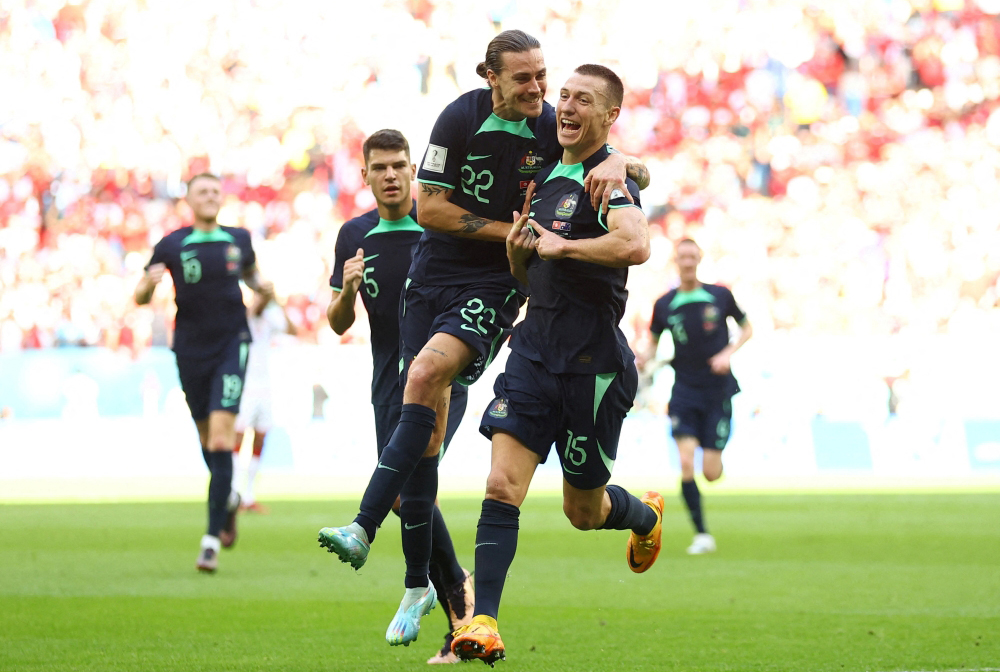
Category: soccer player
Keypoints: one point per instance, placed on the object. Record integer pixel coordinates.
(373, 255)
(211, 340)
(700, 402)
(460, 299)
(266, 318)
(571, 377)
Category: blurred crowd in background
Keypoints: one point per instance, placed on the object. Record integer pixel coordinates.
(838, 162)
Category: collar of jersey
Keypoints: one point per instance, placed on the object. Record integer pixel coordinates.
(403, 224)
(700, 295)
(495, 123)
(216, 235)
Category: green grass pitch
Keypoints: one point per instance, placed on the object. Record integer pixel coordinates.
(840, 583)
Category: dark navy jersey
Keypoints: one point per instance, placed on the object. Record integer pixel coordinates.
(206, 268)
(388, 248)
(488, 162)
(572, 321)
(697, 322)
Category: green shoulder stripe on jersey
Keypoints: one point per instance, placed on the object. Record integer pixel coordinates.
(437, 184)
(600, 215)
(216, 235)
(495, 123)
(571, 172)
(696, 296)
(386, 226)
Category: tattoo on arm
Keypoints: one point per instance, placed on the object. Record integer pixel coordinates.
(638, 172)
(439, 352)
(433, 189)
(471, 223)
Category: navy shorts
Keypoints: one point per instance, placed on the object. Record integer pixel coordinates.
(704, 413)
(387, 417)
(581, 413)
(480, 315)
(215, 384)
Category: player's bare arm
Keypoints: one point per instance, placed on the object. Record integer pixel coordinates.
(610, 175)
(436, 212)
(251, 277)
(719, 362)
(147, 285)
(625, 244)
(340, 313)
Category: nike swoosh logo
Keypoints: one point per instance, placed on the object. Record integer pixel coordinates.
(413, 527)
(371, 257)
(631, 560)
(575, 473)
(472, 157)
(487, 543)
(535, 200)
(382, 466)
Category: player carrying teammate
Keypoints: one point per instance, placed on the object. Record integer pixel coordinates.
(211, 340)
(373, 255)
(266, 318)
(570, 378)
(700, 402)
(460, 300)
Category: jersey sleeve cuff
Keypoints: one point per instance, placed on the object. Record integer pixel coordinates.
(439, 184)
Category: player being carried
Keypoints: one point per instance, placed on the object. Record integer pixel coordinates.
(571, 377)
(373, 254)
(700, 403)
(211, 340)
(460, 300)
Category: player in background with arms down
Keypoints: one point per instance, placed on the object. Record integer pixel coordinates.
(373, 255)
(460, 300)
(266, 318)
(211, 340)
(571, 377)
(701, 410)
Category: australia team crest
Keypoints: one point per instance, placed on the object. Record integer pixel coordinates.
(530, 163)
(233, 257)
(567, 206)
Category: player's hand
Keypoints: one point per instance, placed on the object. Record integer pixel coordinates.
(548, 245)
(526, 209)
(354, 271)
(520, 240)
(266, 289)
(604, 179)
(155, 272)
(719, 363)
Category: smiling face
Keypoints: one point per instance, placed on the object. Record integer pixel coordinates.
(204, 195)
(519, 87)
(389, 173)
(584, 114)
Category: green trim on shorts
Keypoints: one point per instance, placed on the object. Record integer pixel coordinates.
(602, 381)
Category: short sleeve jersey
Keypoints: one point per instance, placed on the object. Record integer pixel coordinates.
(206, 267)
(697, 322)
(488, 162)
(388, 247)
(572, 321)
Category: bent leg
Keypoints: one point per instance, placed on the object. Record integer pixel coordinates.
(711, 463)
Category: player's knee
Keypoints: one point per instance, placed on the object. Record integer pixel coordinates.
(501, 487)
(712, 474)
(582, 517)
(425, 381)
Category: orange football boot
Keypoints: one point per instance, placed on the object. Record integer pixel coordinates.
(479, 640)
(642, 550)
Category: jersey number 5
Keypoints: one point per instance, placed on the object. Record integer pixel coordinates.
(471, 182)
(370, 285)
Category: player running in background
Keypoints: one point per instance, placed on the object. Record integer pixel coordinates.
(700, 403)
(460, 300)
(571, 377)
(373, 254)
(266, 318)
(211, 340)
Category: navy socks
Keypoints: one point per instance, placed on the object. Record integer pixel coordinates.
(628, 512)
(496, 543)
(221, 465)
(399, 458)
(692, 497)
(416, 511)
